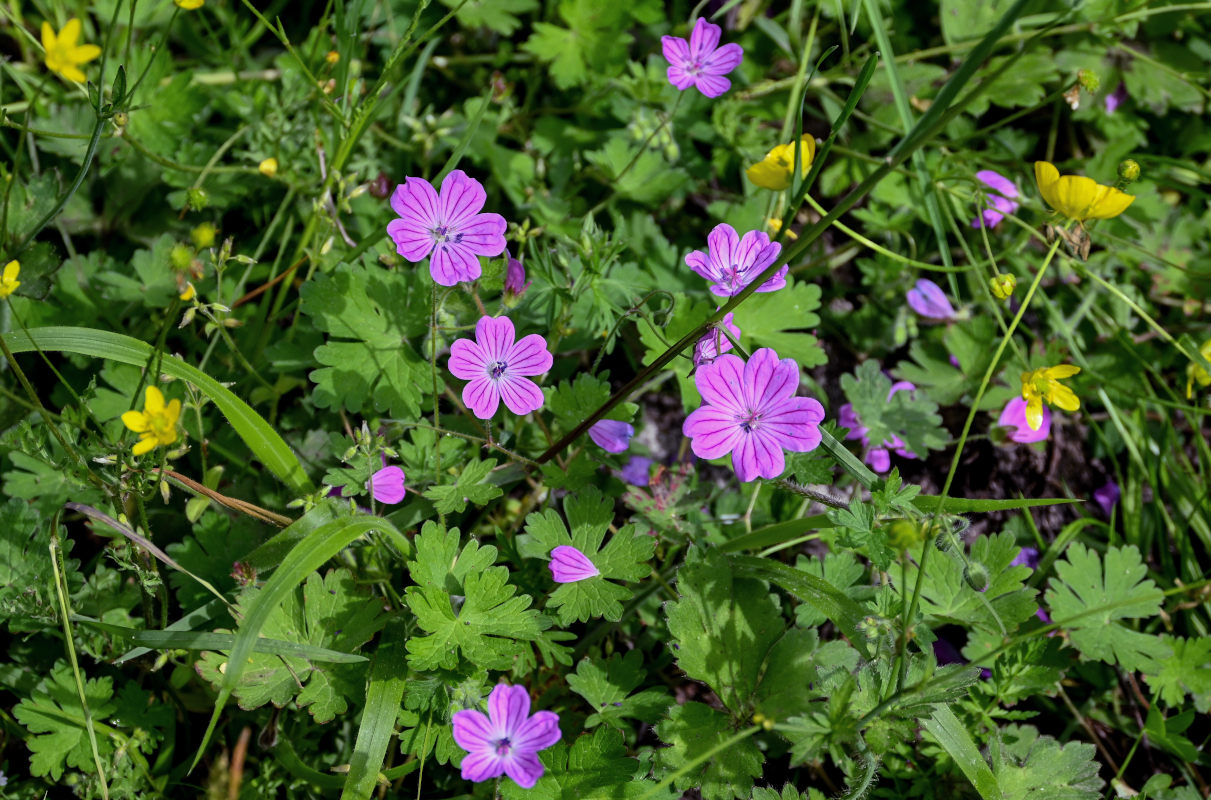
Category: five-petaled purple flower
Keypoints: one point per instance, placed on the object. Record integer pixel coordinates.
(1002, 198)
(448, 225)
(731, 263)
(701, 62)
(715, 342)
(1013, 419)
(506, 741)
(497, 366)
(928, 300)
(387, 485)
(612, 435)
(750, 410)
(879, 458)
(569, 565)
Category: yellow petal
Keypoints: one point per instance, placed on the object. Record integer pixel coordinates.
(48, 36)
(1063, 397)
(144, 445)
(1075, 194)
(70, 33)
(173, 412)
(154, 402)
(11, 270)
(1034, 413)
(768, 175)
(135, 421)
(1062, 371)
(84, 53)
(72, 73)
(1045, 175)
(1112, 204)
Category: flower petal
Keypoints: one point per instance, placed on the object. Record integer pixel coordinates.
(524, 768)
(387, 485)
(569, 565)
(724, 60)
(612, 435)
(467, 360)
(484, 234)
(769, 380)
(495, 337)
(452, 264)
(712, 85)
(719, 383)
(704, 39)
(412, 242)
(460, 198)
(521, 395)
(70, 33)
(676, 51)
(713, 432)
(416, 202)
(473, 731)
(136, 421)
(482, 765)
(538, 732)
(482, 396)
(757, 456)
(508, 708)
(529, 356)
(795, 424)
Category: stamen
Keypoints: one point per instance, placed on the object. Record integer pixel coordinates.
(497, 369)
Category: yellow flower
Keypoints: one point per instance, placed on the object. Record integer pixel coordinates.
(156, 424)
(774, 171)
(63, 55)
(1194, 372)
(1002, 285)
(775, 225)
(188, 293)
(1044, 385)
(190, 5)
(332, 57)
(1077, 197)
(268, 167)
(8, 280)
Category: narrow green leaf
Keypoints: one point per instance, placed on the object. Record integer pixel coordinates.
(774, 534)
(944, 726)
(963, 505)
(388, 675)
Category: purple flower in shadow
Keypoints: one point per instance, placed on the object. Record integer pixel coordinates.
(1116, 98)
(497, 368)
(750, 410)
(638, 471)
(1107, 497)
(569, 565)
(612, 435)
(1002, 198)
(928, 300)
(1026, 557)
(506, 741)
(448, 225)
(515, 280)
(1013, 419)
(701, 62)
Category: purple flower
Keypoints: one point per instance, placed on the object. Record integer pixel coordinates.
(928, 300)
(714, 343)
(750, 410)
(701, 62)
(1001, 198)
(611, 435)
(506, 741)
(569, 565)
(731, 263)
(879, 458)
(946, 653)
(1116, 98)
(638, 471)
(1026, 557)
(515, 279)
(1013, 418)
(448, 225)
(1107, 497)
(387, 485)
(497, 366)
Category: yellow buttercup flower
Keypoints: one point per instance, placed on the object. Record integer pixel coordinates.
(1077, 197)
(1194, 372)
(774, 171)
(8, 279)
(268, 167)
(156, 424)
(63, 55)
(190, 5)
(1044, 385)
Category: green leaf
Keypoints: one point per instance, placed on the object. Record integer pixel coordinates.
(691, 731)
(499, 16)
(490, 624)
(623, 558)
(1033, 767)
(945, 727)
(594, 767)
(840, 570)
(1167, 733)
(384, 693)
(53, 715)
(260, 437)
(607, 684)
(908, 416)
(1187, 671)
(370, 315)
(1089, 597)
(27, 581)
(777, 319)
(594, 43)
(469, 487)
(571, 401)
(330, 613)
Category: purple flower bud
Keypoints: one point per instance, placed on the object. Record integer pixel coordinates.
(637, 472)
(1001, 198)
(715, 342)
(569, 565)
(1116, 98)
(612, 435)
(387, 485)
(928, 300)
(1107, 497)
(515, 279)
(1013, 418)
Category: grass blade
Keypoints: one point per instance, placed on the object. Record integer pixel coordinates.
(388, 675)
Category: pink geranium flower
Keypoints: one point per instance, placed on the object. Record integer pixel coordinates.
(701, 62)
(1013, 418)
(387, 485)
(750, 410)
(497, 368)
(731, 263)
(1002, 198)
(569, 565)
(448, 225)
(506, 741)
(714, 343)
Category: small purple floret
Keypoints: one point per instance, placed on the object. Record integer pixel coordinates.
(387, 485)
(497, 368)
(1107, 497)
(1002, 198)
(715, 342)
(447, 225)
(1116, 98)
(507, 739)
(612, 435)
(928, 300)
(701, 62)
(569, 565)
(1013, 418)
(731, 262)
(750, 410)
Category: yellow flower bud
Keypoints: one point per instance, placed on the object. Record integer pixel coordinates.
(1129, 170)
(8, 279)
(1002, 285)
(190, 5)
(268, 167)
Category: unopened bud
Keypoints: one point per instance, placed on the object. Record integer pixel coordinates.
(332, 57)
(1089, 80)
(180, 256)
(196, 199)
(976, 576)
(1002, 285)
(268, 167)
(121, 118)
(203, 235)
(1129, 170)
